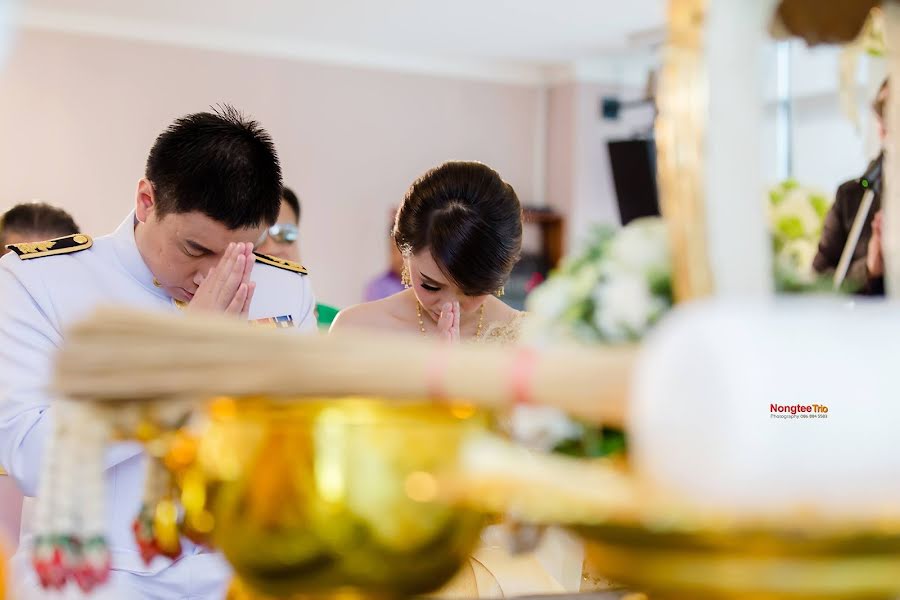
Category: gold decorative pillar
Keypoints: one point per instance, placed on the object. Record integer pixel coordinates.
(680, 133)
(709, 152)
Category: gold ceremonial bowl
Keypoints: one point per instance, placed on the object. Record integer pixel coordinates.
(320, 496)
(649, 541)
(670, 560)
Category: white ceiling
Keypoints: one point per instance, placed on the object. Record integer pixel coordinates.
(511, 36)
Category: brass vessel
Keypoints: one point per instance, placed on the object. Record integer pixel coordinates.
(716, 562)
(327, 497)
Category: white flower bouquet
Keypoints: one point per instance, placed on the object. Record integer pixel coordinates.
(796, 217)
(611, 292)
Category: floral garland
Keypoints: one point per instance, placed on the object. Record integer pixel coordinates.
(70, 543)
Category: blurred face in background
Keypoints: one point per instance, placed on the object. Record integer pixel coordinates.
(11, 236)
(15, 236)
(282, 239)
(880, 108)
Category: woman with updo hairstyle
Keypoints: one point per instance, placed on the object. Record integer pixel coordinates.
(459, 230)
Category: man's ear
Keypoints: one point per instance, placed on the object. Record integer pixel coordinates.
(145, 200)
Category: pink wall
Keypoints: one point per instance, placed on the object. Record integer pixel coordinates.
(561, 135)
(78, 115)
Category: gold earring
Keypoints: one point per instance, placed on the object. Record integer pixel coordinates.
(405, 279)
(501, 291)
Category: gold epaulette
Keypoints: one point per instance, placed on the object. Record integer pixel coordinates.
(287, 265)
(62, 245)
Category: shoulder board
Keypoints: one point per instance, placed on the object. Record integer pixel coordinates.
(62, 245)
(287, 265)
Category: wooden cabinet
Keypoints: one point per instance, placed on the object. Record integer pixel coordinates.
(551, 227)
(537, 259)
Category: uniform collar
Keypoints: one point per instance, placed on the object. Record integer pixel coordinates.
(130, 257)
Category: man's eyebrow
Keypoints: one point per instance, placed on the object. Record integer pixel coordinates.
(198, 247)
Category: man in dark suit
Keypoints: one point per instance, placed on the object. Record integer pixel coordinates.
(865, 274)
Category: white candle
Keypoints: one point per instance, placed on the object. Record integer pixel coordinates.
(766, 409)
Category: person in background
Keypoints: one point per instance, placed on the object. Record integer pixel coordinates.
(865, 274)
(390, 282)
(26, 222)
(34, 221)
(282, 239)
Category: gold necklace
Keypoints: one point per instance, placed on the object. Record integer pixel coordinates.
(422, 321)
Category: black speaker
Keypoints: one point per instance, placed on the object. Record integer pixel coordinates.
(633, 165)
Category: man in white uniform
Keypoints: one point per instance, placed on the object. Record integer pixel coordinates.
(212, 187)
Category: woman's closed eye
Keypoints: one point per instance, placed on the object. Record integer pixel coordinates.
(430, 288)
